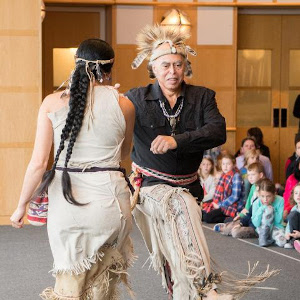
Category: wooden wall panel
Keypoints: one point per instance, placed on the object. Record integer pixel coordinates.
(122, 71)
(20, 94)
(215, 66)
(19, 15)
(230, 143)
(13, 165)
(18, 116)
(17, 58)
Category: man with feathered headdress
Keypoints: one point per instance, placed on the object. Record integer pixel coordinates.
(175, 123)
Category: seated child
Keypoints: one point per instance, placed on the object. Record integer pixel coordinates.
(207, 179)
(292, 231)
(251, 156)
(242, 227)
(267, 214)
(229, 193)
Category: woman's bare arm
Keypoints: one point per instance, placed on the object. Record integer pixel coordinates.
(37, 164)
(129, 114)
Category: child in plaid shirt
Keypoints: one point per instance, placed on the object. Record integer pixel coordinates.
(242, 226)
(229, 193)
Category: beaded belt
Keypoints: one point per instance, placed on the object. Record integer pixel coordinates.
(136, 179)
(174, 179)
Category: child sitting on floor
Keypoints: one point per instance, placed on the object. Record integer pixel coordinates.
(292, 231)
(267, 214)
(251, 156)
(229, 193)
(242, 227)
(207, 180)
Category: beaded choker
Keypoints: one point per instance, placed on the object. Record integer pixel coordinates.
(173, 119)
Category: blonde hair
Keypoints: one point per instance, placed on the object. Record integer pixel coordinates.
(212, 166)
(249, 153)
(292, 201)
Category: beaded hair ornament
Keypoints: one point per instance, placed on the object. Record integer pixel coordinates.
(90, 66)
(151, 37)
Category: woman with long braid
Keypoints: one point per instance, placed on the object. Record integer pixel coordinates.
(89, 217)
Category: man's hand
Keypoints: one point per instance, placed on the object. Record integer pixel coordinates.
(163, 143)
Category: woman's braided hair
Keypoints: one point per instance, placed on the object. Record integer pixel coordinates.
(91, 49)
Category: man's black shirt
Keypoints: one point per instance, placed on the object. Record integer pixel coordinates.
(200, 127)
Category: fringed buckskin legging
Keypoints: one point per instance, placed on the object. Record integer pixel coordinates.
(170, 221)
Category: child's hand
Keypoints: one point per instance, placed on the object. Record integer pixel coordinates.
(287, 236)
(236, 218)
(215, 205)
(244, 211)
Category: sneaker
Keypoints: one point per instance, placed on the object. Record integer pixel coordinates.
(218, 227)
(297, 245)
(288, 245)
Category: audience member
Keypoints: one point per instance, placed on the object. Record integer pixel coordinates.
(242, 226)
(292, 232)
(250, 157)
(249, 143)
(292, 180)
(294, 159)
(267, 214)
(229, 193)
(257, 135)
(207, 179)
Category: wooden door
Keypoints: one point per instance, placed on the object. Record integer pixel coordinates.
(267, 82)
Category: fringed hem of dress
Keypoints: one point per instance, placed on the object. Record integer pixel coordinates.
(80, 267)
(101, 281)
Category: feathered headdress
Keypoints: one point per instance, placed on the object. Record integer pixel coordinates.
(151, 37)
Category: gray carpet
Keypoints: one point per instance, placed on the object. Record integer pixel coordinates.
(25, 260)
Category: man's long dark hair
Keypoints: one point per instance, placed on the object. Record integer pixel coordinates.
(91, 49)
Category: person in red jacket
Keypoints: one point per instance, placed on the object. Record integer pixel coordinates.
(290, 183)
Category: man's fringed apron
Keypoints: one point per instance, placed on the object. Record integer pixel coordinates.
(169, 219)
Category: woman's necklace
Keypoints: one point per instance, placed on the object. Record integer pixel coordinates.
(172, 118)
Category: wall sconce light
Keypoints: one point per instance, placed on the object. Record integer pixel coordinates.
(43, 11)
(176, 17)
